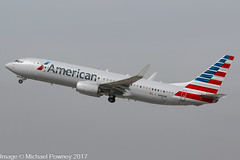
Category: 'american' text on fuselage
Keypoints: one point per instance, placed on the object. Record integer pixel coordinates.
(73, 73)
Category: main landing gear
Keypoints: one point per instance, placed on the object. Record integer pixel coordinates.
(112, 98)
(20, 81)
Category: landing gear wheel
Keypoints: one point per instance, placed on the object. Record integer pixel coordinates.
(20, 81)
(111, 98)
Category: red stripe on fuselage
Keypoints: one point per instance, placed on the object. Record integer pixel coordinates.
(194, 96)
(219, 73)
(200, 88)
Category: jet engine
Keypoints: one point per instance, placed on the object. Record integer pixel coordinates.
(88, 88)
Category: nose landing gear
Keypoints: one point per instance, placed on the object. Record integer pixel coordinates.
(112, 98)
(20, 81)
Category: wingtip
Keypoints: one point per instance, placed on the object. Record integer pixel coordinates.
(153, 76)
(144, 70)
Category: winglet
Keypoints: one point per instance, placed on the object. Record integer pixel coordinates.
(143, 71)
(152, 78)
(128, 81)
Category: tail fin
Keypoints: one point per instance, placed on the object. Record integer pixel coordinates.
(210, 80)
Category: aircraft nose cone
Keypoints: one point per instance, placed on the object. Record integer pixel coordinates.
(9, 66)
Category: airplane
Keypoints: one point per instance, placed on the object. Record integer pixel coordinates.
(97, 83)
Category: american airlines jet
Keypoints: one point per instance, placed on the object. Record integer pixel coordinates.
(97, 83)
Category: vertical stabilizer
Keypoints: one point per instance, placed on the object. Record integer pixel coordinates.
(210, 80)
(205, 87)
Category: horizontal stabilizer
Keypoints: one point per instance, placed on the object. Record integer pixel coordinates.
(213, 96)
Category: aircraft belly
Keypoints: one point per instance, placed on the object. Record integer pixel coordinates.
(149, 97)
(56, 79)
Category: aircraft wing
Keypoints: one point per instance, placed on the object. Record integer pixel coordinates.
(120, 87)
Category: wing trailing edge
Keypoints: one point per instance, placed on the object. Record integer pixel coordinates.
(122, 85)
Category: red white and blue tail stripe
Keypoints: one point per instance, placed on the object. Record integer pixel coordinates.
(209, 81)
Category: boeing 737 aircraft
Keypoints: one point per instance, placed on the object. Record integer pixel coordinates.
(97, 83)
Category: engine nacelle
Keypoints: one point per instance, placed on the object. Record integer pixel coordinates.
(88, 88)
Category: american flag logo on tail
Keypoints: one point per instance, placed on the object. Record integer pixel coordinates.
(209, 81)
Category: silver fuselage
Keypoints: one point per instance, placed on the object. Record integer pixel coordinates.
(69, 75)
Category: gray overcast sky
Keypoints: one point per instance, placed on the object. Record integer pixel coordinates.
(179, 38)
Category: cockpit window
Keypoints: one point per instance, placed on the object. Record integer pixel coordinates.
(19, 61)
